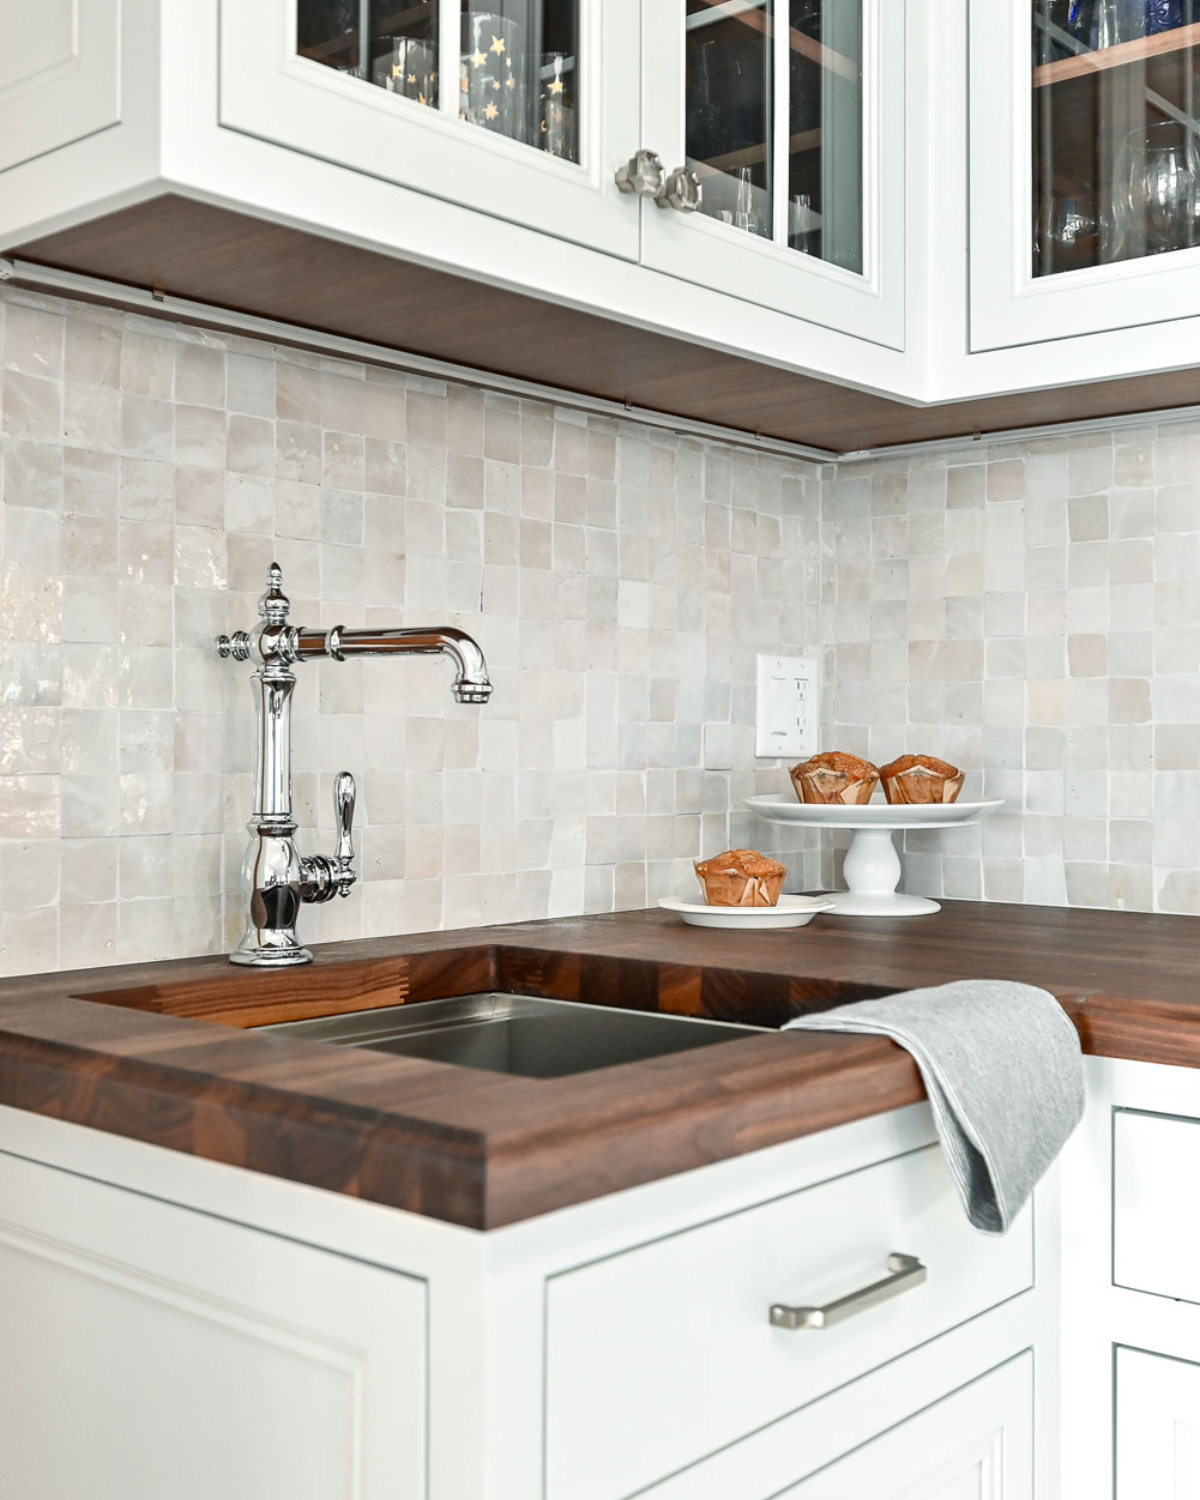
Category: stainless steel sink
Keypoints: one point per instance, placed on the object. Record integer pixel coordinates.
(517, 1033)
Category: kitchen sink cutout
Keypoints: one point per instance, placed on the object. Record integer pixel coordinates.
(517, 1034)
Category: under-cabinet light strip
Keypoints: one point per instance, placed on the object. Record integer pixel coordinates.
(210, 315)
(1161, 417)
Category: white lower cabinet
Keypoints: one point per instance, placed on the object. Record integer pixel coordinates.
(672, 1345)
(1130, 1288)
(150, 1352)
(1158, 1427)
(975, 1445)
(170, 1327)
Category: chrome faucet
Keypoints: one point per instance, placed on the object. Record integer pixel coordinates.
(276, 878)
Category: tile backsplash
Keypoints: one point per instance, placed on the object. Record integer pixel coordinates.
(1029, 610)
(619, 578)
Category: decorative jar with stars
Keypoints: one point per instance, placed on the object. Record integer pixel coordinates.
(492, 76)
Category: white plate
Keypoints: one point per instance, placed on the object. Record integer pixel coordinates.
(792, 911)
(784, 808)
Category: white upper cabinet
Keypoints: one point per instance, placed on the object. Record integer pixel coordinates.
(1084, 213)
(517, 108)
(781, 126)
(60, 75)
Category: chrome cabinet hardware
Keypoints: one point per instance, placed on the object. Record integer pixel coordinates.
(904, 1271)
(276, 878)
(642, 174)
(682, 189)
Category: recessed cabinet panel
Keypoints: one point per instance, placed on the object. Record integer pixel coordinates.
(151, 1350)
(1085, 160)
(788, 117)
(67, 54)
(974, 1445)
(1156, 1226)
(522, 109)
(1158, 1427)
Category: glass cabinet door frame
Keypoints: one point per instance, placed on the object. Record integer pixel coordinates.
(1009, 306)
(269, 91)
(697, 248)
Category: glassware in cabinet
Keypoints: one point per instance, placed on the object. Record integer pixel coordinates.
(1114, 102)
(518, 109)
(517, 69)
(782, 128)
(774, 125)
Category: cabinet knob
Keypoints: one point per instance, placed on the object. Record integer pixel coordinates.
(642, 174)
(682, 190)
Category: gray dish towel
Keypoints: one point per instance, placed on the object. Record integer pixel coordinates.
(1002, 1067)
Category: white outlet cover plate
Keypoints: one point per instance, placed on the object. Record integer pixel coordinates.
(787, 707)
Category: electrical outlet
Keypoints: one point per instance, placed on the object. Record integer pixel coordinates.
(787, 707)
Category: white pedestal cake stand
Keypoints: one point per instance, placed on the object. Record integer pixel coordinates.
(872, 865)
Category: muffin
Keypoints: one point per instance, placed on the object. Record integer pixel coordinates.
(835, 777)
(741, 877)
(920, 779)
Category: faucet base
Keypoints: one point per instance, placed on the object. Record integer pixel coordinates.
(271, 958)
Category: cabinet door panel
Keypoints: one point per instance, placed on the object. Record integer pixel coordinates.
(1158, 1427)
(1155, 1225)
(791, 114)
(974, 1445)
(1083, 168)
(456, 109)
(150, 1351)
(65, 54)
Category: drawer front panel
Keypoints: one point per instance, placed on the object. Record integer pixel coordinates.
(1156, 1212)
(975, 1445)
(670, 1346)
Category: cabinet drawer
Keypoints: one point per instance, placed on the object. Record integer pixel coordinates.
(670, 1345)
(1156, 1213)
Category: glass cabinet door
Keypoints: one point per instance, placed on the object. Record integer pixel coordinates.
(788, 116)
(1089, 167)
(520, 108)
(1113, 119)
(516, 72)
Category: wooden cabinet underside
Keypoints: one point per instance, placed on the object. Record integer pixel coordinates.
(233, 261)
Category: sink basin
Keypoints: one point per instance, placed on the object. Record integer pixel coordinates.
(518, 1034)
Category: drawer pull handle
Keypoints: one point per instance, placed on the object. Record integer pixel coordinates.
(904, 1271)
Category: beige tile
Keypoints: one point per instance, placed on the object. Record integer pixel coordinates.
(92, 353)
(147, 427)
(34, 340)
(29, 941)
(199, 374)
(147, 365)
(30, 807)
(201, 438)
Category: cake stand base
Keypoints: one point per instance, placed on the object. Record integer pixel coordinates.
(848, 904)
(872, 872)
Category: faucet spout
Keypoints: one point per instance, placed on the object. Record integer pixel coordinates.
(471, 681)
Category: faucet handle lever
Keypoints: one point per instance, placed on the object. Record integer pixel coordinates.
(344, 795)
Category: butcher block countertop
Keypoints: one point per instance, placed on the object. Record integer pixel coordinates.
(167, 1053)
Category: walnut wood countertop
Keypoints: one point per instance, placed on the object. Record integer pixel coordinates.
(167, 1053)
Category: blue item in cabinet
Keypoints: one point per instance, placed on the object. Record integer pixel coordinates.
(1163, 15)
(1107, 23)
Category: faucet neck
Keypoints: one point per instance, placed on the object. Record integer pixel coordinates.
(273, 743)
